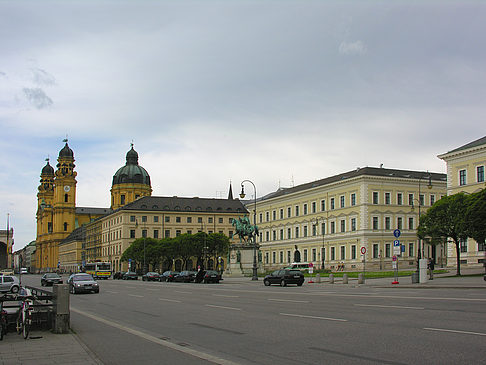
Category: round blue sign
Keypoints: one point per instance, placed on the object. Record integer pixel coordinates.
(396, 233)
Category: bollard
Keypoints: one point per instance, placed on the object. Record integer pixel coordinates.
(318, 278)
(60, 305)
(361, 279)
(345, 278)
(415, 277)
(331, 278)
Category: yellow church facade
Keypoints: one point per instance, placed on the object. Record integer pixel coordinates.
(349, 220)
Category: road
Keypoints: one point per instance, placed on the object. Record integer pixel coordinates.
(244, 322)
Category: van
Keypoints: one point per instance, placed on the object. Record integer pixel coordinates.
(302, 266)
(23, 270)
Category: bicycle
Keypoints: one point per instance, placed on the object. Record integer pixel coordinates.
(24, 320)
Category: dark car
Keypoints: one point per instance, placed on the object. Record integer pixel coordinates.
(50, 279)
(168, 275)
(82, 283)
(211, 276)
(284, 277)
(118, 275)
(151, 276)
(185, 276)
(130, 275)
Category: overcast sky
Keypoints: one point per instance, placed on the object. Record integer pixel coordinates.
(278, 92)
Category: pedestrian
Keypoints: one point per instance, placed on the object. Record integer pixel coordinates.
(431, 269)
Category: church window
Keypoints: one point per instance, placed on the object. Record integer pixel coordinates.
(65, 226)
(122, 199)
(66, 198)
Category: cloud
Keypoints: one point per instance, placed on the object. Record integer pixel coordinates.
(37, 97)
(2, 73)
(354, 48)
(42, 78)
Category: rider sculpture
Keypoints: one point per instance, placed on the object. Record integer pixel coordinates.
(245, 229)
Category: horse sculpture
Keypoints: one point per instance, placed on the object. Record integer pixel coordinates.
(244, 229)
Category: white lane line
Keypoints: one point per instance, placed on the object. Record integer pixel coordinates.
(153, 289)
(219, 306)
(455, 331)
(288, 300)
(131, 287)
(183, 292)
(226, 296)
(136, 296)
(387, 306)
(113, 292)
(371, 295)
(313, 317)
(173, 346)
(170, 300)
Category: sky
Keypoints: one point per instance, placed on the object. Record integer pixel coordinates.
(212, 92)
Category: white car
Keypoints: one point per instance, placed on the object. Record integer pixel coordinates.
(9, 283)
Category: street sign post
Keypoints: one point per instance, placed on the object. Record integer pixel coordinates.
(397, 233)
(396, 252)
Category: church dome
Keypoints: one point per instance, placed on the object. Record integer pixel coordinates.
(47, 169)
(66, 152)
(132, 172)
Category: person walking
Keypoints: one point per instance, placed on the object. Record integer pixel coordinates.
(431, 269)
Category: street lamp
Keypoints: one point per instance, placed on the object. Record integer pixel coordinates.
(420, 253)
(242, 196)
(314, 222)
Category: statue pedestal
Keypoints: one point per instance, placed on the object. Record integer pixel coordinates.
(241, 260)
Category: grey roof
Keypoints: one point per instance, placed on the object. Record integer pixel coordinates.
(364, 171)
(132, 172)
(79, 234)
(89, 210)
(476, 143)
(176, 203)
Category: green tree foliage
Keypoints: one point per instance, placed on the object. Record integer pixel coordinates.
(446, 219)
(476, 216)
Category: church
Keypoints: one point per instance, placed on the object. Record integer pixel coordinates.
(69, 236)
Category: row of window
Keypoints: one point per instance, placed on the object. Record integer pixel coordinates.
(167, 219)
(399, 200)
(167, 233)
(308, 209)
(479, 175)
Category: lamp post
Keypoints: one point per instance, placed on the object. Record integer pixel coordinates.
(314, 222)
(242, 196)
(420, 253)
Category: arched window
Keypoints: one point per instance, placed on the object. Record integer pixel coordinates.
(66, 198)
(65, 226)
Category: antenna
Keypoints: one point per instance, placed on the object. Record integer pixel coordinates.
(292, 181)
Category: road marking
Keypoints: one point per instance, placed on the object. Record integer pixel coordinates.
(153, 289)
(371, 295)
(131, 287)
(173, 346)
(134, 295)
(455, 331)
(219, 306)
(387, 306)
(183, 292)
(113, 292)
(288, 300)
(313, 317)
(170, 300)
(226, 296)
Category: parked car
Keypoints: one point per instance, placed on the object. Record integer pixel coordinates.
(118, 275)
(185, 276)
(168, 275)
(24, 270)
(211, 276)
(130, 275)
(82, 282)
(284, 277)
(9, 283)
(151, 276)
(50, 279)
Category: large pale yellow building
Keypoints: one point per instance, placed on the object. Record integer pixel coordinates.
(465, 173)
(333, 221)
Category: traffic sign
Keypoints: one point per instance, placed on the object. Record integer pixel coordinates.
(396, 243)
(311, 264)
(363, 250)
(394, 258)
(397, 233)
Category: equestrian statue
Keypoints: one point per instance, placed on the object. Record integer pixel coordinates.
(245, 229)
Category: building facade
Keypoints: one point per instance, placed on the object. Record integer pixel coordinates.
(348, 220)
(465, 174)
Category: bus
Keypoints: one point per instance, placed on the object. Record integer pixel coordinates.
(99, 270)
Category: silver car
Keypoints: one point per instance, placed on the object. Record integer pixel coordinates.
(82, 283)
(9, 283)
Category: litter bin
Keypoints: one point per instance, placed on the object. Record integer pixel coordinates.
(415, 278)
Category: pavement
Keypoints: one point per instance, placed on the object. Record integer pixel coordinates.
(45, 347)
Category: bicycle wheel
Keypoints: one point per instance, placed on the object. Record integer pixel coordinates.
(26, 328)
(19, 323)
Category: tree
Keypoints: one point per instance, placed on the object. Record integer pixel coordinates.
(476, 216)
(446, 219)
(185, 248)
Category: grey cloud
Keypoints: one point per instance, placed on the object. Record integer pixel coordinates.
(41, 77)
(2, 73)
(353, 48)
(37, 97)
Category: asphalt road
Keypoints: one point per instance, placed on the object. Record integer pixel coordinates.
(244, 322)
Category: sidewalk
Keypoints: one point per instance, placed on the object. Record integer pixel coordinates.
(43, 348)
